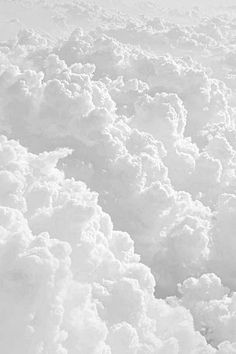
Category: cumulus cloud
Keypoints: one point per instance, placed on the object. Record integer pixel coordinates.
(117, 185)
(77, 286)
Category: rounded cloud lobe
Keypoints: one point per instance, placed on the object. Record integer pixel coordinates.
(118, 187)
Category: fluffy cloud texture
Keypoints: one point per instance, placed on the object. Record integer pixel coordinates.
(118, 185)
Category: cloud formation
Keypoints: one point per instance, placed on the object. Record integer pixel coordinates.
(117, 186)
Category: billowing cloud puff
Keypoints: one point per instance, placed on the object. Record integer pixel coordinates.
(212, 307)
(77, 286)
(35, 271)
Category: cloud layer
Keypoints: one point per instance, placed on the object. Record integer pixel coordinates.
(118, 186)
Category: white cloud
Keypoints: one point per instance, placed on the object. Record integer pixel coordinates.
(125, 192)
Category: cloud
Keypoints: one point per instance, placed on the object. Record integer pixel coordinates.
(117, 217)
(212, 307)
(73, 286)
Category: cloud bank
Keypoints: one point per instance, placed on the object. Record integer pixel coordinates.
(118, 184)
